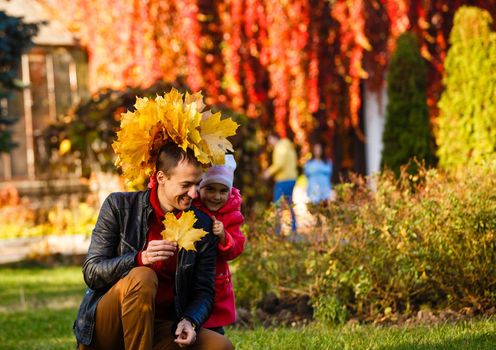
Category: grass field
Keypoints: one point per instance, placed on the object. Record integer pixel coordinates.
(38, 306)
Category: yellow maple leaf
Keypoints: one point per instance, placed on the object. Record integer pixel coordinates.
(195, 98)
(175, 117)
(182, 231)
(182, 117)
(213, 132)
(171, 109)
(131, 147)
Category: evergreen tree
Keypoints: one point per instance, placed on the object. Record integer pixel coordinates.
(407, 133)
(467, 121)
(15, 38)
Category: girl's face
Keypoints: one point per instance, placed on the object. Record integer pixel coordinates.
(214, 196)
(317, 151)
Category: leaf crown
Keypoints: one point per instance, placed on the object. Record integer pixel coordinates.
(175, 117)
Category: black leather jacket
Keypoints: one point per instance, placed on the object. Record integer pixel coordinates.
(120, 232)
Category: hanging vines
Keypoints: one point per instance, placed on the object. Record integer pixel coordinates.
(296, 65)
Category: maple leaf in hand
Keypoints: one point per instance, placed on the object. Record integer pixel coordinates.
(182, 231)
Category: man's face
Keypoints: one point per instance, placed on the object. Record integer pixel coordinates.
(177, 190)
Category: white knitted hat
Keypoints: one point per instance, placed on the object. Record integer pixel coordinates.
(221, 174)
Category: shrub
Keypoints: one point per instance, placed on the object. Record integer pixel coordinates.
(423, 240)
(407, 132)
(416, 241)
(467, 121)
(21, 218)
(269, 263)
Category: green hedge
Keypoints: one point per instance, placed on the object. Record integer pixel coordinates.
(419, 241)
(407, 131)
(467, 121)
(269, 263)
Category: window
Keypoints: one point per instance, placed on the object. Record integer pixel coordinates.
(58, 79)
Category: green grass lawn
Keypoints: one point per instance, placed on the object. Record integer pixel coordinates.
(38, 306)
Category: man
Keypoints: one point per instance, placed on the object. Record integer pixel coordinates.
(143, 292)
(284, 172)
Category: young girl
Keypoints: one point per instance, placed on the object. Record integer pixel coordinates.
(223, 203)
(318, 171)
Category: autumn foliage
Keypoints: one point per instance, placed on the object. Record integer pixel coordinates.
(297, 65)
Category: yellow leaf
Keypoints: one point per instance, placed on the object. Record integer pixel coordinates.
(182, 231)
(213, 132)
(175, 117)
(183, 118)
(65, 146)
(131, 147)
(195, 98)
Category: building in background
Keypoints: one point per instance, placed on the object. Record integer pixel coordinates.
(56, 73)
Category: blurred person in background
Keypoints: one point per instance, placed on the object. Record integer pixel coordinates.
(284, 172)
(318, 172)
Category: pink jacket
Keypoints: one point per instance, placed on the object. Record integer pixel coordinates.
(224, 311)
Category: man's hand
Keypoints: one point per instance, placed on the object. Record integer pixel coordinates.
(266, 174)
(218, 230)
(185, 333)
(158, 250)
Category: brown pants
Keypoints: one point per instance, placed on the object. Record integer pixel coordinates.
(125, 319)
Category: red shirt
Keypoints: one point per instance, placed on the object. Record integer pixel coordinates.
(165, 270)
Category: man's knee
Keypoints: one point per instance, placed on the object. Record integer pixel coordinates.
(144, 280)
(210, 340)
(224, 344)
(227, 345)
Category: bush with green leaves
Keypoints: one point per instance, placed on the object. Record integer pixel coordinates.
(407, 133)
(467, 121)
(417, 241)
(425, 240)
(270, 263)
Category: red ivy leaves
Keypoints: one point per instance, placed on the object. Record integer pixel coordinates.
(299, 63)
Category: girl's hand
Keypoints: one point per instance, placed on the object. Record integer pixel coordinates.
(218, 230)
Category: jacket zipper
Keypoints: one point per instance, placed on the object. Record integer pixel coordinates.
(176, 283)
